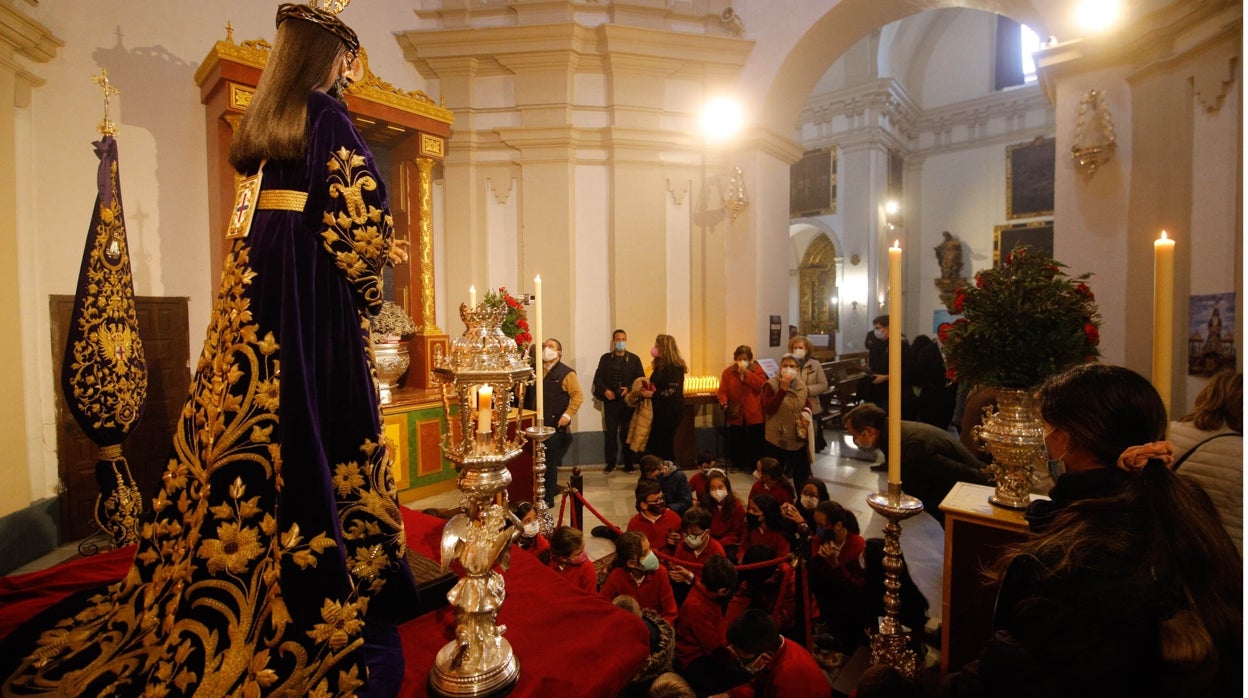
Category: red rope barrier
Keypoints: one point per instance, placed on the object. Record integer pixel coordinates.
(595, 512)
(662, 555)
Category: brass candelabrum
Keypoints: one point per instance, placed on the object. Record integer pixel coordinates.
(891, 644)
(487, 374)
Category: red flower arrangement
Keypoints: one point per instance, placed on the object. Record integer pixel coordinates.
(1022, 322)
(515, 323)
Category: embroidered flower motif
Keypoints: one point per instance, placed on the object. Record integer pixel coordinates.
(347, 478)
(232, 550)
(342, 622)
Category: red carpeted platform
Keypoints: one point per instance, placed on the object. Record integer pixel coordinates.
(568, 642)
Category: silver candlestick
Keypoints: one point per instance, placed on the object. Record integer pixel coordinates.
(538, 433)
(891, 645)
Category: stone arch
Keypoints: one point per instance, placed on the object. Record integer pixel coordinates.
(842, 25)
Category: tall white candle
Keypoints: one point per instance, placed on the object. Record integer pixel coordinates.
(472, 297)
(1163, 316)
(539, 338)
(485, 399)
(894, 363)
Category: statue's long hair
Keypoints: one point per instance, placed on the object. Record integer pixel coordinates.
(275, 125)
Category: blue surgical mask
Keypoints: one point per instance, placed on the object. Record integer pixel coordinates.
(1056, 468)
(621, 346)
(650, 562)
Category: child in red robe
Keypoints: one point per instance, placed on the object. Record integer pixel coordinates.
(568, 558)
(637, 573)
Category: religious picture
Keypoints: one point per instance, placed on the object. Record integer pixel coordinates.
(1029, 178)
(1211, 334)
(942, 320)
(812, 184)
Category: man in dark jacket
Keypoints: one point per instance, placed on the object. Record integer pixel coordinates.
(617, 369)
(932, 459)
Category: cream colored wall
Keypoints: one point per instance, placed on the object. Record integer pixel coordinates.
(1176, 167)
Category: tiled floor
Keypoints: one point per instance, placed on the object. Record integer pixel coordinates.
(849, 481)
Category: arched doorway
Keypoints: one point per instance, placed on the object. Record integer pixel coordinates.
(818, 312)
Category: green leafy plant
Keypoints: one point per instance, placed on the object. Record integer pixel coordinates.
(515, 323)
(1021, 322)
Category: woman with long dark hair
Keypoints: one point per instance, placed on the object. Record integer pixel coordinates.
(667, 396)
(1131, 586)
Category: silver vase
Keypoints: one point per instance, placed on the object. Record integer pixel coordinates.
(1014, 435)
(392, 361)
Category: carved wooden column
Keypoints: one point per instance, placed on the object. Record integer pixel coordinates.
(430, 341)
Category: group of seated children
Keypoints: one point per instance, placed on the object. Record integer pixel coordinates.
(719, 569)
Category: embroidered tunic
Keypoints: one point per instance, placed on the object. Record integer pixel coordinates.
(276, 535)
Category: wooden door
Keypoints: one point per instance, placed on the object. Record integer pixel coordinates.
(163, 326)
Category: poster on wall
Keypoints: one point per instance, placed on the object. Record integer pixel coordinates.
(942, 320)
(1211, 333)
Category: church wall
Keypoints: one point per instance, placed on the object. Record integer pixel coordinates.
(591, 335)
(1091, 225)
(960, 64)
(1217, 264)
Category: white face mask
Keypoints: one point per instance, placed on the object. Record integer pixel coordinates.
(531, 529)
(879, 334)
(549, 354)
(695, 542)
(810, 502)
(799, 353)
(743, 364)
(788, 372)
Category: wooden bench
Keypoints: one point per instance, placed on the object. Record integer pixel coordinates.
(843, 375)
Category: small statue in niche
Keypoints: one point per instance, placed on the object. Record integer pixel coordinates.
(949, 256)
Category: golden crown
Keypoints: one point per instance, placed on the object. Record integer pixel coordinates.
(325, 14)
(331, 6)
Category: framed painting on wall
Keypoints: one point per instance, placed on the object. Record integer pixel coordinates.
(1038, 236)
(1211, 333)
(812, 184)
(1029, 178)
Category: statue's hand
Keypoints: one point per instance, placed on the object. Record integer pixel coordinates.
(398, 252)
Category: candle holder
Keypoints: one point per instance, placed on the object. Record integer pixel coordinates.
(479, 661)
(891, 645)
(538, 434)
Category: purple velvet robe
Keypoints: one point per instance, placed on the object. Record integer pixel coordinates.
(276, 539)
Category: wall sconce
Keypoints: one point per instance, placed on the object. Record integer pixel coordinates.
(1094, 142)
(732, 21)
(735, 200)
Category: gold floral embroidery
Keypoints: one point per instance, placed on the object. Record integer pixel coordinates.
(107, 371)
(359, 234)
(210, 539)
